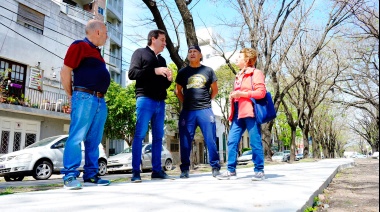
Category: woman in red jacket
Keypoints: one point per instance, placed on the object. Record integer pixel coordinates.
(249, 83)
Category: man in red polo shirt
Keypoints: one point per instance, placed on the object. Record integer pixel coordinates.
(88, 107)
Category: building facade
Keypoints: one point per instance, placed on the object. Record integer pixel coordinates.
(34, 37)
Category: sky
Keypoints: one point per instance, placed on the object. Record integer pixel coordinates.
(210, 13)
(204, 13)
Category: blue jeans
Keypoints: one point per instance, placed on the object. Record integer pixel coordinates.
(238, 127)
(88, 116)
(148, 110)
(189, 120)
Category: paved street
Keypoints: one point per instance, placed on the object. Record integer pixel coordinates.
(55, 179)
(289, 187)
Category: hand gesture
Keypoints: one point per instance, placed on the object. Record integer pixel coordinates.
(169, 75)
(165, 72)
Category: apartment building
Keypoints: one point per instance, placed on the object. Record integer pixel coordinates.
(34, 37)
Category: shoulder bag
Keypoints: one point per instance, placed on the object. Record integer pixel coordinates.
(263, 108)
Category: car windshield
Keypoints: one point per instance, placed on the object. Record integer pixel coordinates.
(42, 142)
(127, 150)
(247, 152)
(278, 154)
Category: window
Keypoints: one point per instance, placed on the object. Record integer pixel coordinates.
(30, 19)
(4, 142)
(116, 77)
(70, 2)
(100, 10)
(148, 148)
(30, 138)
(17, 141)
(17, 77)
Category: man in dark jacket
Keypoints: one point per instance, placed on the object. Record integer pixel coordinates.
(152, 77)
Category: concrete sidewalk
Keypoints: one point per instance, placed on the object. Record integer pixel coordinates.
(289, 187)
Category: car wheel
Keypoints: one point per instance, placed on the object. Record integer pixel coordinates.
(102, 168)
(16, 178)
(168, 165)
(42, 170)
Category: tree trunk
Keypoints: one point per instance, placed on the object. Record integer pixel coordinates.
(305, 133)
(173, 51)
(293, 143)
(266, 138)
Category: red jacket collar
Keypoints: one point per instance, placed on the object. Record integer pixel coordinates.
(249, 70)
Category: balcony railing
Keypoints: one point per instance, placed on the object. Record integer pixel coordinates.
(116, 7)
(39, 98)
(78, 13)
(45, 100)
(114, 33)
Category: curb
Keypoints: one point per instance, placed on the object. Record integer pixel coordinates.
(310, 202)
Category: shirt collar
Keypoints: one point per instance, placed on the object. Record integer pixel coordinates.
(153, 51)
(89, 42)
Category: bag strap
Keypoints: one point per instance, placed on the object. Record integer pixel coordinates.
(253, 88)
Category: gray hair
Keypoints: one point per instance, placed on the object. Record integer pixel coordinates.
(93, 25)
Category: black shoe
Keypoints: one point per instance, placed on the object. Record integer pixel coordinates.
(215, 172)
(161, 175)
(136, 177)
(184, 174)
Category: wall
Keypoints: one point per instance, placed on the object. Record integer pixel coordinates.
(27, 47)
(49, 126)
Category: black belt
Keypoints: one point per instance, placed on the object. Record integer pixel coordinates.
(95, 93)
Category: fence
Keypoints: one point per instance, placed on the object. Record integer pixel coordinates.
(38, 98)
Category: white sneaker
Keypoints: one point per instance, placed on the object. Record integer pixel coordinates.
(258, 176)
(227, 175)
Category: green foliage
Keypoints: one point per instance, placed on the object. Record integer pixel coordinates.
(7, 191)
(121, 120)
(316, 203)
(4, 81)
(173, 107)
(283, 129)
(310, 209)
(226, 79)
(245, 149)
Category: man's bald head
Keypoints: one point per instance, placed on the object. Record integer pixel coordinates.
(93, 25)
(96, 32)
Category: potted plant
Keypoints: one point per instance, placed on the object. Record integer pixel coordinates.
(66, 108)
(27, 102)
(11, 100)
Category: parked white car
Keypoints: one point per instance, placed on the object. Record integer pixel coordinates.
(123, 160)
(360, 156)
(375, 155)
(41, 160)
(299, 157)
(245, 157)
(280, 157)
